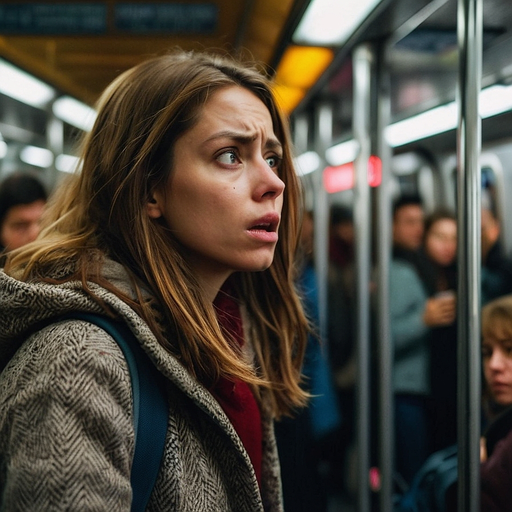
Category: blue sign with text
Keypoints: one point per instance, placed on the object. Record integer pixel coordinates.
(166, 18)
(92, 18)
(57, 19)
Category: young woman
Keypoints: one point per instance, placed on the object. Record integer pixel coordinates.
(440, 247)
(496, 444)
(182, 223)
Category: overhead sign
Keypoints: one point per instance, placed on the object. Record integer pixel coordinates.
(170, 18)
(58, 19)
(94, 18)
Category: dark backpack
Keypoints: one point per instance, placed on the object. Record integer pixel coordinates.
(430, 485)
(150, 407)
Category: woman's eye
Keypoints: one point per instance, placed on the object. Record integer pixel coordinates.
(273, 161)
(228, 157)
(486, 351)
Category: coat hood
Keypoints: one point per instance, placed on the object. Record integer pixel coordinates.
(27, 306)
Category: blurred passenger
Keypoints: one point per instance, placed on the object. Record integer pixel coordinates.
(408, 226)
(496, 468)
(308, 442)
(340, 327)
(341, 236)
(182, 224)
(497, 356)
(440, 246)
(496, 266)
(341, 293)
(413, 315)
(22, 202)
(496, 445)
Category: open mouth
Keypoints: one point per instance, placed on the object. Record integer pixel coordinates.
(269, 223)
(263, 227)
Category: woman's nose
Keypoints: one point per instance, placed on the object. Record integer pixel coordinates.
(496, 360)
(269, 184)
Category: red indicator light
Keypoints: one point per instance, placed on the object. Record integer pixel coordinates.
(338, 178)
(341, 177)
(374, 171)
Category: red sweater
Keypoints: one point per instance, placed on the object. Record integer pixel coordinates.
(235, 396)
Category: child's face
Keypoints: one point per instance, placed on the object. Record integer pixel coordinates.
(497, 363)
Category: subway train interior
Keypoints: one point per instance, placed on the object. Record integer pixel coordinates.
(386, 98)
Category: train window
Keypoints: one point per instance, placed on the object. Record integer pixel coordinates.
(415, 175)
(494, 191)
(21, 120)
(489, 188)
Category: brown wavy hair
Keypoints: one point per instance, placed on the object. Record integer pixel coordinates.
(126, 156)
(497, 318)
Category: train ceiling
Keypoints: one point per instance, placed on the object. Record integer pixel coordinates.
(98, 39)
(421, 57)
(79, 47)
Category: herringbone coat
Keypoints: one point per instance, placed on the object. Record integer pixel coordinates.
(66, 427)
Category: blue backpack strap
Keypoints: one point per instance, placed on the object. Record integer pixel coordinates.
(150, 408)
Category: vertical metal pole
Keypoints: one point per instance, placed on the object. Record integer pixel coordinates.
(469, 25)
(361, 61)
(323, 139)
(300, 133)
(55, 142)
(386, 353)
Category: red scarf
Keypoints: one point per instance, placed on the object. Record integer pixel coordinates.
(236, 397)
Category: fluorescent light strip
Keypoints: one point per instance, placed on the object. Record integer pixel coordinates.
(74, 112)
(332, 22)
(3, 149)
(342, 153)
(23, 87)
(39, 157)
(426, 124)
(493, 100)
(306, 163)
(66, 163)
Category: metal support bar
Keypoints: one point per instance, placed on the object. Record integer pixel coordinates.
(362, 61)
(469, 26)
(300, 133)
(323, 139)
(386, 352)
(55, 142)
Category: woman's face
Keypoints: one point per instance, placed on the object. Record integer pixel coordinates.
(224, 197)
(497, 362)
(441, 242)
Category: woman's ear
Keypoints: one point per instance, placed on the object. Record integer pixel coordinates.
(153, 208)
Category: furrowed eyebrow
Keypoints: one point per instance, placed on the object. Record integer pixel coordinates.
(243, 138)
